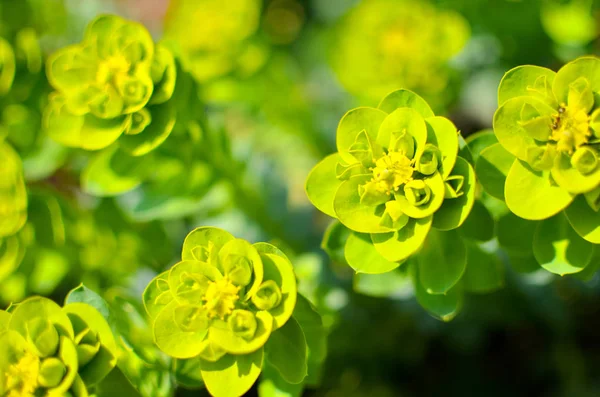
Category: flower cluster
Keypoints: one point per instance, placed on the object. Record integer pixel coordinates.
(396, 175)
(384, 44)
(548, 129)
(54, 351)
(115, 84)
(221, 304)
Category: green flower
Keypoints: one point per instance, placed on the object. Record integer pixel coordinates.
(221, 304)
(396, 175)
(384, 44)
(110, 86)
(53, 351)
(548, 129)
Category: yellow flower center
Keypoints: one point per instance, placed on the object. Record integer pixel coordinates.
(570, 128)
(392, 170)
(111, 67)
(220, 298)
(22, 377)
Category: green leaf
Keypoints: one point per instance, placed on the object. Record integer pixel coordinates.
(559, 249)
(334, 241)
(273, 385)
(527, 80)
(316, 338)
(361, 255)
(187, 373)
(492, 168)
(13, 195)
(322, 184)
(221, 334)
(157, 294)
(442, 133)
(405, 98)
(357, 120)
(113, 172)
(173, 338)
(530, 194)
(164, 75)
(479, 225)
(232, 376)
(287, 352)
(162, 123)
(403, 119)
(515, 234)
(106, 358)
(454, 211)
(83, 294)
(398, 246)
(442, 261)
(484, 273)
(354, 214)
(435, 184)
(200, 238)
(43, 308)
(475, 143)
(571, 179)
(587, 67)
(584, 220)
(442, 306)
(279, 269)
(396, 284)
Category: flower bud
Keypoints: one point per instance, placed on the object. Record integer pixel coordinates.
(585, 160)
(267, 296)
(139, 121)
(429, 160)
(243, 323)
(52, 371)
(417, 192)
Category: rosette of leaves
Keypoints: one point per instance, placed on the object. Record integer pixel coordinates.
(52, 351)
(545, 162)
(114, 85)
(384, 44)
(226, 310)
(398, 184)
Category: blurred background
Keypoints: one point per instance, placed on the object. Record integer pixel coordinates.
(273, 79)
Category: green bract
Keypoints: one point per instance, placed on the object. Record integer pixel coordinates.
(226, 305)
(13, 196)
(548, 129)
(396, 176)
(47, 350)
(115, 84)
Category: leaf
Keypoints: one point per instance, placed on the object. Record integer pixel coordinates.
(316, 338)
(353, 122)
(586, 67)
(361, 255)
(322, 184)
(531, 195)
(172, 339)
(38, 307)
(188, 373)
(442, 261)
(454, 211)
(279, 269)
(527, 80)
(436, 185)
(479, 225)
(560, 250)
(404, 119)
(584, 220)
(442, 306)
(287, 352)
(334, 241)
(201, 237)
(13, 194)
(405, 98)
(159, 129)
(396, 284)
(484, 273)
(508, 124)
(398, 246)
(83, 294)
(492, 168)
(515, 234)
(221, 335)
(354, 214)
(442, 133)
(232, 376)
(157, 294)
(273, 385)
